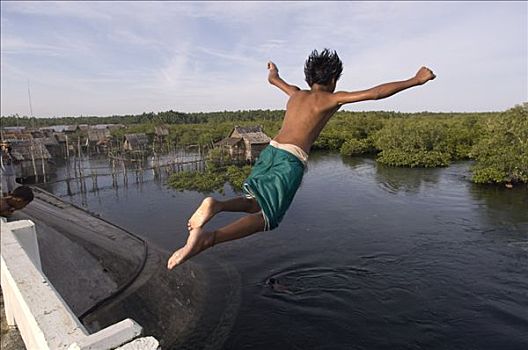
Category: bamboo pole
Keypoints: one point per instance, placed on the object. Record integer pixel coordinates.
(31, 150)
(43, 165)
(125, 175)
(67, 148)
(114, 183)
(94, 180)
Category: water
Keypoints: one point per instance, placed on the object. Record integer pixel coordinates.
(368, 257)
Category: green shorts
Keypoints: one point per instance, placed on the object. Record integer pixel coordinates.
(273, 182)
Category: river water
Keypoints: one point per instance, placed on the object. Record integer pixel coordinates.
(368, 257)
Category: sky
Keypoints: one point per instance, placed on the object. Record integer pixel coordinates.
(116, 58)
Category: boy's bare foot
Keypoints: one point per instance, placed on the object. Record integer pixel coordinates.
(203, 214)
(198, 240)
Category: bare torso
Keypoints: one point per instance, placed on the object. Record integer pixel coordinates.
(307, 113)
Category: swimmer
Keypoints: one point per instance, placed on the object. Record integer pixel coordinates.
(278, 171)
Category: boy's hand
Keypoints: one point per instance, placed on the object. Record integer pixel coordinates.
(424, 75)
(272, 67)
(274, 79)
(273, 72)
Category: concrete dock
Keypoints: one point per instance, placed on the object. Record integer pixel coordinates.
(107, 274)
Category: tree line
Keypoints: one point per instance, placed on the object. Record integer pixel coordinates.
(496, 141)
(166, 117)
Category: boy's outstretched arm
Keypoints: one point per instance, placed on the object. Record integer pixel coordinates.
(384, 90)
(274, 79)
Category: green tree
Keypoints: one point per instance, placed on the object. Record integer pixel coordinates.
(413, 142)
(502, 151)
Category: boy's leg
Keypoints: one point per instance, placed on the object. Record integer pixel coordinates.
(199, 239)
(210, 207)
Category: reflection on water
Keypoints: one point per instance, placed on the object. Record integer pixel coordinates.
(315, 280)
(367, 257)
(503, 205)
(397, 179)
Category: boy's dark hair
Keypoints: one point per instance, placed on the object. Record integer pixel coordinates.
(321, 68)
(23, 192)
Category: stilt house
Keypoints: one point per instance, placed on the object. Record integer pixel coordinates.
(245, 143)
(30, 158)
(98, 139)
(135, 142)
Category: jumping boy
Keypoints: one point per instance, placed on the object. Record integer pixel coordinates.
(279, 170)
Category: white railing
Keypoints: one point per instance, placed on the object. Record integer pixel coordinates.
(43, 318)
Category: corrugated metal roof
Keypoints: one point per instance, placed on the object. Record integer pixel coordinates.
(14, 128)
(60, 128)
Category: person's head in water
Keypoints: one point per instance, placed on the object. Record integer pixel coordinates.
(16, 200)
(323, 68)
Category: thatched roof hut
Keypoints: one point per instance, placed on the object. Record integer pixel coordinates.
(135, 142)
(98, 136)
(48, 141)
(52, 145)
(60, 137)
(29, 158)
(245, 142)
(24, 150)
(8, 136)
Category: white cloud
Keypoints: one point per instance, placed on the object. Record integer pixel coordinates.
(124, 57)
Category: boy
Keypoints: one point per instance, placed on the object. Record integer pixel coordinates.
(16, 200)
(278, 172)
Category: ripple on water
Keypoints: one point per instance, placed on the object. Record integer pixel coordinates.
(317, 282)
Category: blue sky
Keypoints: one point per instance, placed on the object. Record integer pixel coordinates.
(105, 58)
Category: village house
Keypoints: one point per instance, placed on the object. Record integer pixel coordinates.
(245, 143)
(61, 138)
(135, 142)
(52, 145)
(161, 133)
(98, 139)
(36, 133)
(29, 158)
(16, 135)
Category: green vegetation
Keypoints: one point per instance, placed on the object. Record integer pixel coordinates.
(212, 179)
(497, 141)
(502, 150)
(168, 117)
(419, 142)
